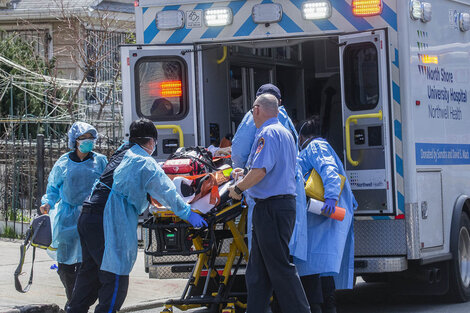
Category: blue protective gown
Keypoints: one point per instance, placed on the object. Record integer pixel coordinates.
(241, 147)
(137, 175)
(68, 185)
(330, 245)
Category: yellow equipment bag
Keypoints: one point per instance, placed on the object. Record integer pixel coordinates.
(314, 186)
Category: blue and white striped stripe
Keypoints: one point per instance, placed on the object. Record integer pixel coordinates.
(342, 20)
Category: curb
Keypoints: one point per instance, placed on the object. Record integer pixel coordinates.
(35, 308)
(54, 308)
(144, 306)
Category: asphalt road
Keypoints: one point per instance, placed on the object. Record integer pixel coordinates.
(378, 298)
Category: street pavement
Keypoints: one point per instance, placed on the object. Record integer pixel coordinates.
(145, 294)
(378, 298)
(47, 288)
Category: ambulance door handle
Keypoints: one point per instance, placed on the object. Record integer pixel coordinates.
(176, 129)
(424, 210)
(353, 119)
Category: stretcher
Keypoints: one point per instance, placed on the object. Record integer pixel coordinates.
(211, 287)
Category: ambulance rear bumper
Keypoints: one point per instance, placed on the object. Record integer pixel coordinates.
(366, 265)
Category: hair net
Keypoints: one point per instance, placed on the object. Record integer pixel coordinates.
(80, 128)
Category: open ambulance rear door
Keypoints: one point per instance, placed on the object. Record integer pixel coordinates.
(158, 83)
(366, 116)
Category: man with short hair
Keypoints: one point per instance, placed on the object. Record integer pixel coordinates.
(108, 222)
(241, 148)
(271, 183)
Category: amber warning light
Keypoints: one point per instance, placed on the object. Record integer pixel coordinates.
(168, 89)
(367, 7)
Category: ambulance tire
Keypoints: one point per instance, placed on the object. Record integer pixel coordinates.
(459, 284)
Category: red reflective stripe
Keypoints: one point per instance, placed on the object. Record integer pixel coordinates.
(400, 217)
(204, 272)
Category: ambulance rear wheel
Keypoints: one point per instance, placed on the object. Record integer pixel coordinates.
(459, 289)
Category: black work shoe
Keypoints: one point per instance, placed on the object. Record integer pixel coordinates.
(329, 306)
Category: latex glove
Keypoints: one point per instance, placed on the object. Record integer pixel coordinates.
(232, 194)
(45, 208)
(196, 220)
(329, 207)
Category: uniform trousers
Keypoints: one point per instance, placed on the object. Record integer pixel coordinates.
(93, 283)
(269, 268)
(68, 274)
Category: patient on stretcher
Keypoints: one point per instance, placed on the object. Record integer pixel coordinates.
(197, 179)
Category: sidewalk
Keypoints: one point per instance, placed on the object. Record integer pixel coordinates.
(47, 288)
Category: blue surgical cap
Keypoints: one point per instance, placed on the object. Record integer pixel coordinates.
(80, 128)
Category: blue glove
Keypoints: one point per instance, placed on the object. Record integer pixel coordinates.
(329, 207)
(196, 220)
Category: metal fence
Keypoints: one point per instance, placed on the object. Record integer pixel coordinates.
(24, 168)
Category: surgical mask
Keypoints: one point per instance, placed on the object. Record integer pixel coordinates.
(85, 145)
(154, 148)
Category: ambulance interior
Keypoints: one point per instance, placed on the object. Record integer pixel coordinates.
(306, 72)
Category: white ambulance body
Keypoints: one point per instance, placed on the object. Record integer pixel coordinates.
(389, 81)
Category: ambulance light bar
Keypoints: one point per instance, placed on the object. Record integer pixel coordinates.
(266, 13)
(464, 21)
(427, 11)
(420, 10)
(427, 59)
(316, 10)
(367, 7)
(171, 19)
(218, 16)
(416, 10)
(170, 89)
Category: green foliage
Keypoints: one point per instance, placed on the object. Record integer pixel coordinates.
(17, 216)
(18, 50)
(130, 38)
(9, 232)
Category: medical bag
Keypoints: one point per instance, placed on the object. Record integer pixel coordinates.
(189, 161)
(39, 235)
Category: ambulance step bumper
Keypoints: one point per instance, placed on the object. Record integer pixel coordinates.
(169, 271)
(363, 265)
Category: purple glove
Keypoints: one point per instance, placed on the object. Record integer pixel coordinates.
(329, 207)
(196, 220)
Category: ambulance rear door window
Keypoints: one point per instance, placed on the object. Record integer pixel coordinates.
(361, 76)
(161, 88)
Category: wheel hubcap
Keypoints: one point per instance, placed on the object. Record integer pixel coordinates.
(464, 256)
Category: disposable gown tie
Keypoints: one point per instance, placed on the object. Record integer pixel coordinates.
(70, 183)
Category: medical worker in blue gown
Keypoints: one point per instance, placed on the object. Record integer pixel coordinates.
(330, 244)
(241, 147)
(108, 222)
(70, 182)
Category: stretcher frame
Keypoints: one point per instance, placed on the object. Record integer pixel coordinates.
(229, 222)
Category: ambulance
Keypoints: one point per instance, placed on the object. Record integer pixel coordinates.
(389, 80)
